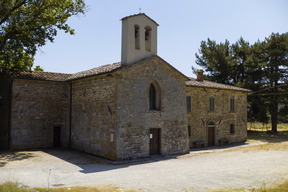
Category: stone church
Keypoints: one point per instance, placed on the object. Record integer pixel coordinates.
(138, 107)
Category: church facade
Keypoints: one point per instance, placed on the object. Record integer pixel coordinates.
(138, 107)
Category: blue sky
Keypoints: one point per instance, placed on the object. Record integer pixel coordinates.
(183, 25)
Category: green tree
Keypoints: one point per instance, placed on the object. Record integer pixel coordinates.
(223, 62)
(272, 56)
(26, 25)
(261, 66)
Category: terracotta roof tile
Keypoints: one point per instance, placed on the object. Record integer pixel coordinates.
(37, 75)
(139, 14)
(49, 76)
(95, 71)
(209, 84)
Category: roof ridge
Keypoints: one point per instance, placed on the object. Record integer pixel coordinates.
(213, 85)
(139, 14)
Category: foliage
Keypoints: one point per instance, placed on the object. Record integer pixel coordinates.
(261, 67)
(38, 68)
(26, 25)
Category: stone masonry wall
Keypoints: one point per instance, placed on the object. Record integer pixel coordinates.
(5, 91)
(38, 106)
(134, 119)
(200, 116)
(93, 115)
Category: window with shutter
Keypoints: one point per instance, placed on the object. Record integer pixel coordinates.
(232, 105)
(188, 103)
(211, 104)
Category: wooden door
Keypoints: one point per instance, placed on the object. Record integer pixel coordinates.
(210, 136)
(154, 141)
(57, 137)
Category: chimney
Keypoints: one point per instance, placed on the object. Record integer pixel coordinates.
(200, 75)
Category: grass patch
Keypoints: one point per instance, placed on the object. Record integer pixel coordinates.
(9, 186)
(106, 188)
(268, 136)
(257, 126)
(276, 141)
(274, 188)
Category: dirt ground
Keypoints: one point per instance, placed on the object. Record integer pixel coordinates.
(210, 168)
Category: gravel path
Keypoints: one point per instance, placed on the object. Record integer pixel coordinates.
(212, 169)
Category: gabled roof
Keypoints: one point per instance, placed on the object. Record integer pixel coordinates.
(212, 85)
(95, 71)
(138, 15)
(64, 77)
(48, 76)
(37, 75)
(157, 57)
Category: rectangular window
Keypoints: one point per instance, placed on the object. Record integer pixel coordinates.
(188, 102)
(189, 131)
(232, 128)
(211, 104)
(232, 105)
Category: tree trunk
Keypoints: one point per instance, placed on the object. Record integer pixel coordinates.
(274, 115)
(274, 122)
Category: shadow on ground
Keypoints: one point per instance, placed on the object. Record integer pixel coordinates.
(91, 164)
(9, 156)
(268, 136)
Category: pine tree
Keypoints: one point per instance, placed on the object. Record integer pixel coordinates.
(261, 67)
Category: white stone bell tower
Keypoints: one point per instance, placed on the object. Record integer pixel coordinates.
(139, 38)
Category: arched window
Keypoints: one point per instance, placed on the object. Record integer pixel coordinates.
(148, 38)
(154, 96)
(137, 38)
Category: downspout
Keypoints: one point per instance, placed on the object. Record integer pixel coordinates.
(9, 112)
(70, 116)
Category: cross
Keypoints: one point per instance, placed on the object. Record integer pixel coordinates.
(140, 9)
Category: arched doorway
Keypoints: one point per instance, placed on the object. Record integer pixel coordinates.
(211, 133)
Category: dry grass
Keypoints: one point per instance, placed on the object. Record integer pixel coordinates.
(106, 188)
(9, 186)
(275, 188)
(276, 141)
(257, 126)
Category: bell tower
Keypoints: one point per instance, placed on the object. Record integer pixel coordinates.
(139, 38)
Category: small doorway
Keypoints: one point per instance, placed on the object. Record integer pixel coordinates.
(57, 136)
(154, 144)
(211, 135)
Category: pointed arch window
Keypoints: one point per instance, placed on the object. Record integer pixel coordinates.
(154, 96)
